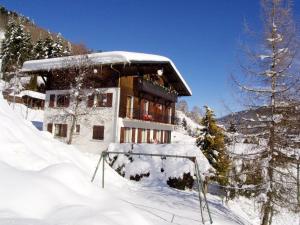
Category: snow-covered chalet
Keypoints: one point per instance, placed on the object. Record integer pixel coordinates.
(131, 100)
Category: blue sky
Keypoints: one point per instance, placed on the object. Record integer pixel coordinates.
(201, 37)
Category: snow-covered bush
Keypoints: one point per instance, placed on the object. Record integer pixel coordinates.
(176, 172)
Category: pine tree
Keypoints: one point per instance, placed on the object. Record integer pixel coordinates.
(184, 124)
(232, 127)
(16, 46)
(39, 49)
(50, 48)
(211, 143)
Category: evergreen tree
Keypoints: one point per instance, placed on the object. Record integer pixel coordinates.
(211, 143)
(232, 127)
(39, 49)
(50, 48)
(184, 124)
(16, 46)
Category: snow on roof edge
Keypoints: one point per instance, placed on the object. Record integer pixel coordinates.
(113, 57)
(32, 94)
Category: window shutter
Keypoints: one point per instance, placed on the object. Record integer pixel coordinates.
(67, 100)
(49, 127)
(101, 132)
(122, 134)
(94, 132)
(166, 136)
(133, 135)
(51, 102)
(148, 135)
(139, 135)
(142, 109)
(64, 128)
(109, 97)
(90, 101)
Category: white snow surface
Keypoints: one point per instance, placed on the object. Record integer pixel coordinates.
(28, 113)
(173, 167)
(46, 182)
(113, 57)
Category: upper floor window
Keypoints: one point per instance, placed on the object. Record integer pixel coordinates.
(63, 100)
(146, 107)
(51, 101)
(100, 100)
(129, 107)
(169, 115)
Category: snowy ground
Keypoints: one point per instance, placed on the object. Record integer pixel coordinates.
(45, 182)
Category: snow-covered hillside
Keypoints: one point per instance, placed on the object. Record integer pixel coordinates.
(44, 181)
(191, 126)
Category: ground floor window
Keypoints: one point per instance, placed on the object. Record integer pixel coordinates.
(128, 135)
(98, 132)
(144, 136)
(60, 130)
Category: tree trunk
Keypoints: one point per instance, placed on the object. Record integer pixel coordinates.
(73, 122)
(298, 183)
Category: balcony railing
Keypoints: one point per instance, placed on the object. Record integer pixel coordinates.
(150, 116)
(154, 89)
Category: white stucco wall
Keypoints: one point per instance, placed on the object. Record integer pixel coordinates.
(103, 116)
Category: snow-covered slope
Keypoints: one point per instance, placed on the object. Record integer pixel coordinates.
(192, 127)
(46, 182)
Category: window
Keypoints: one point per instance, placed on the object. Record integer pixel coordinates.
(61, 130)
(77, 129)
(104, 100)
(90, 101)
(62, 100)
(52, 100)
(158, 136)
(98, 132)
(144, 136)
(169, 115)
(129, 107)
(128, 135)
(49, 127)
(146, 107)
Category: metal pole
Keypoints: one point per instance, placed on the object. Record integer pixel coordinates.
(154, 155)
(94, 175)
(199, 175)
(298, 182)
(199, 195)
(103, 163)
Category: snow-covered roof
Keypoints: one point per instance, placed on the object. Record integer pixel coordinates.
(114, 57)
(32, 94)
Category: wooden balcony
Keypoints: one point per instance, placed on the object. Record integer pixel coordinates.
(150, 116)
(151, 88)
